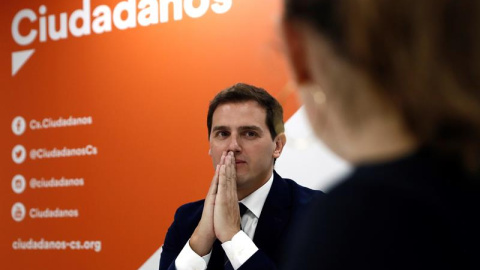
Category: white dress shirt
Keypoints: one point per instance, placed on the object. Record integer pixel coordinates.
(241, 247)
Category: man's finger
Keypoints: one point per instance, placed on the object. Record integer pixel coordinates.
(221, 180)
(228, 170)
(233, 174)
(222, 159)
(214, 184)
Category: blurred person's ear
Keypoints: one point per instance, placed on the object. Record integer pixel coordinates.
(295, 43)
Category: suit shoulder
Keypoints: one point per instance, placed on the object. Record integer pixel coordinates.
(189, 213)
(190, 208)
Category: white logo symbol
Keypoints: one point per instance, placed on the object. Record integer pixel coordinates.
(19, 154)
(18, 125)
(18, 212)
(18, 184)
(19, 59)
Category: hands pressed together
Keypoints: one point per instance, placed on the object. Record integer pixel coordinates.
(221, 214)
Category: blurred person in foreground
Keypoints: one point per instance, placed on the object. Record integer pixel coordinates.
(394, 88)
(246, 135)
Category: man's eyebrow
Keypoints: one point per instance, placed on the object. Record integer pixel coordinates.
(215, 128)
(242, 128)
(254, 128)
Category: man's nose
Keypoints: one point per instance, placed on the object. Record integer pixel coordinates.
(234, 144)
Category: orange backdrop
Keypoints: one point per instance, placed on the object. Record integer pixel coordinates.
(146, 90)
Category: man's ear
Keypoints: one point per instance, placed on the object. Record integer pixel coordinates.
(210, 151)
(295, 43)
(280, 142)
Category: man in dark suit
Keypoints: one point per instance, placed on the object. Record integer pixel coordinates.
(248, 213)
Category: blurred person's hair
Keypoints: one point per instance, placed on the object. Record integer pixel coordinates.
(242, 92)
(422, 56)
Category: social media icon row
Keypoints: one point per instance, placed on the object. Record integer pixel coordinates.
(19, 154)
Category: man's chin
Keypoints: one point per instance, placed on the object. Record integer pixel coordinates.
(241, 179)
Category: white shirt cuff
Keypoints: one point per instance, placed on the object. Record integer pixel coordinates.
(189, 260)
(239, 249)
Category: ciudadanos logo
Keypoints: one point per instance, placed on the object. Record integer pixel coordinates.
(38, 24)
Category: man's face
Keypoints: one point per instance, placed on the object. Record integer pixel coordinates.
(241, 128)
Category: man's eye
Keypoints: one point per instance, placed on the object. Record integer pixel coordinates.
(251, 134)
(222, 134)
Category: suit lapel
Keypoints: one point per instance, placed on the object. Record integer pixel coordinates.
(274, 218)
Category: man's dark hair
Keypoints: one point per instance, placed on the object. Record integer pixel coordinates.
(242, 92)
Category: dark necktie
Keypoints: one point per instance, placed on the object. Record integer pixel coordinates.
(243, 210)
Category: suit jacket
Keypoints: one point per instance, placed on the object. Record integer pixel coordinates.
(285, 203)
(416, 212)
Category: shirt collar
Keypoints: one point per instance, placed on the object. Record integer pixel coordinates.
(255, 201)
